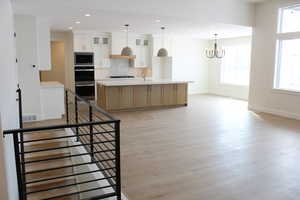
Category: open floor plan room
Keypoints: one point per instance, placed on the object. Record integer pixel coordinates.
(149, 100)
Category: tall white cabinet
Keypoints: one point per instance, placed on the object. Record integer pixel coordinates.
(142, 50)
(162, 68)
(43, 45)
(98, 43)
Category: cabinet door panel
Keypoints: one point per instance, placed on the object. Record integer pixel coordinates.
(182, 94)
(169, 94)
(140, 96)
(126, 100)
(113, 98)
(156, 95)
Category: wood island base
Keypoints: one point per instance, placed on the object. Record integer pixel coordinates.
(113, 98)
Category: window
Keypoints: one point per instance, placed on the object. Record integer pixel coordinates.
(287, 73)
(235, 67)
(289, 19)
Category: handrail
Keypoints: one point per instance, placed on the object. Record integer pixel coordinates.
(93, 106)
(44, 128)
(98, 135)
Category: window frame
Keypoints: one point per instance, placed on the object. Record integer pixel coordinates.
(280, 37)
(280, 19)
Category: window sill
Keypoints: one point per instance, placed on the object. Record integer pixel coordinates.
(286, 91)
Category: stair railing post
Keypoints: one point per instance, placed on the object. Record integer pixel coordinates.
(18, 166)
(76, 118)
(20, 107)
(67, 106)
(118, 160)
(91, 132)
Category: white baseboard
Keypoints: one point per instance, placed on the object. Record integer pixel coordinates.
(274, 111)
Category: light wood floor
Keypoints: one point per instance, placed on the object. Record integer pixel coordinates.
(214, 149)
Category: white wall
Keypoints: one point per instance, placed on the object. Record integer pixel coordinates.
(190, 63)
(26, 42)
(8, 104)
(214, 76)
(262, 97)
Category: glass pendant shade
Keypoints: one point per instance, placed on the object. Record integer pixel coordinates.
(162, 52)
(127, 51)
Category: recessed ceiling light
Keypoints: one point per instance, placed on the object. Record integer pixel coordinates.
(87, 15)
(158, 20)
(78, 22)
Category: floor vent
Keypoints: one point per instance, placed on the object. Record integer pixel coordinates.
(29, 118)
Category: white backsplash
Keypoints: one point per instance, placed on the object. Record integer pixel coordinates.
(120, 67)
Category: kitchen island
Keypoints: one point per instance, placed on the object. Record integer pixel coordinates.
(140, 94)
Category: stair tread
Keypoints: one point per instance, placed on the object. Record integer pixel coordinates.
(45, 145)
(44, 134)
(46, 156)
(48, 164)
(54, 193)
(47, 153)
(49, 174)
(50, 184)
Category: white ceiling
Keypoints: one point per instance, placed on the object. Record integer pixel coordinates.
(196, 18)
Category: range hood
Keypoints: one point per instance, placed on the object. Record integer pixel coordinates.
(122, 57)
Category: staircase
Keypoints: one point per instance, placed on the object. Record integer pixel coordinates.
(78, 158)
(44, 186)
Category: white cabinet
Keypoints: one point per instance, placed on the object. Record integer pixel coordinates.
(101, 46)
(162, 68)
(142, 52)
(83, 42)
(43, 45)
(98, 43)
(52, 100)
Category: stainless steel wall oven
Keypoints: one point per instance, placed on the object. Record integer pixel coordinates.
(84, 75)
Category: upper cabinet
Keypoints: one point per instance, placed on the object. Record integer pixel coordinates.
(43, 45)
(142, 51)
(101, 45)
(83, 42)
(104, 44)
(98, 43)
(140, 45)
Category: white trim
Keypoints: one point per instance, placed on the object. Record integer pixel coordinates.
(277, 112)
(286, 91)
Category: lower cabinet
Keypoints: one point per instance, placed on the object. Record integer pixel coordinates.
(141, 96)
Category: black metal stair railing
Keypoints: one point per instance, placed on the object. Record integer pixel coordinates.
(94, 131)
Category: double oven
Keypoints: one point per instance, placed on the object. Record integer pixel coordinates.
(84, 75)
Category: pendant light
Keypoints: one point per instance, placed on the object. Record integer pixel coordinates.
(215, 52)
(126, 51)
(162, 52)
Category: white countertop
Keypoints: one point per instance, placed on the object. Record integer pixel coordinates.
(138, 82)
(51, 84)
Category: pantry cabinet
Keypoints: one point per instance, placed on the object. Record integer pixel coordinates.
(98, 43)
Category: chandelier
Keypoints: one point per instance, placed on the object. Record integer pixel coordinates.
(215, 52)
